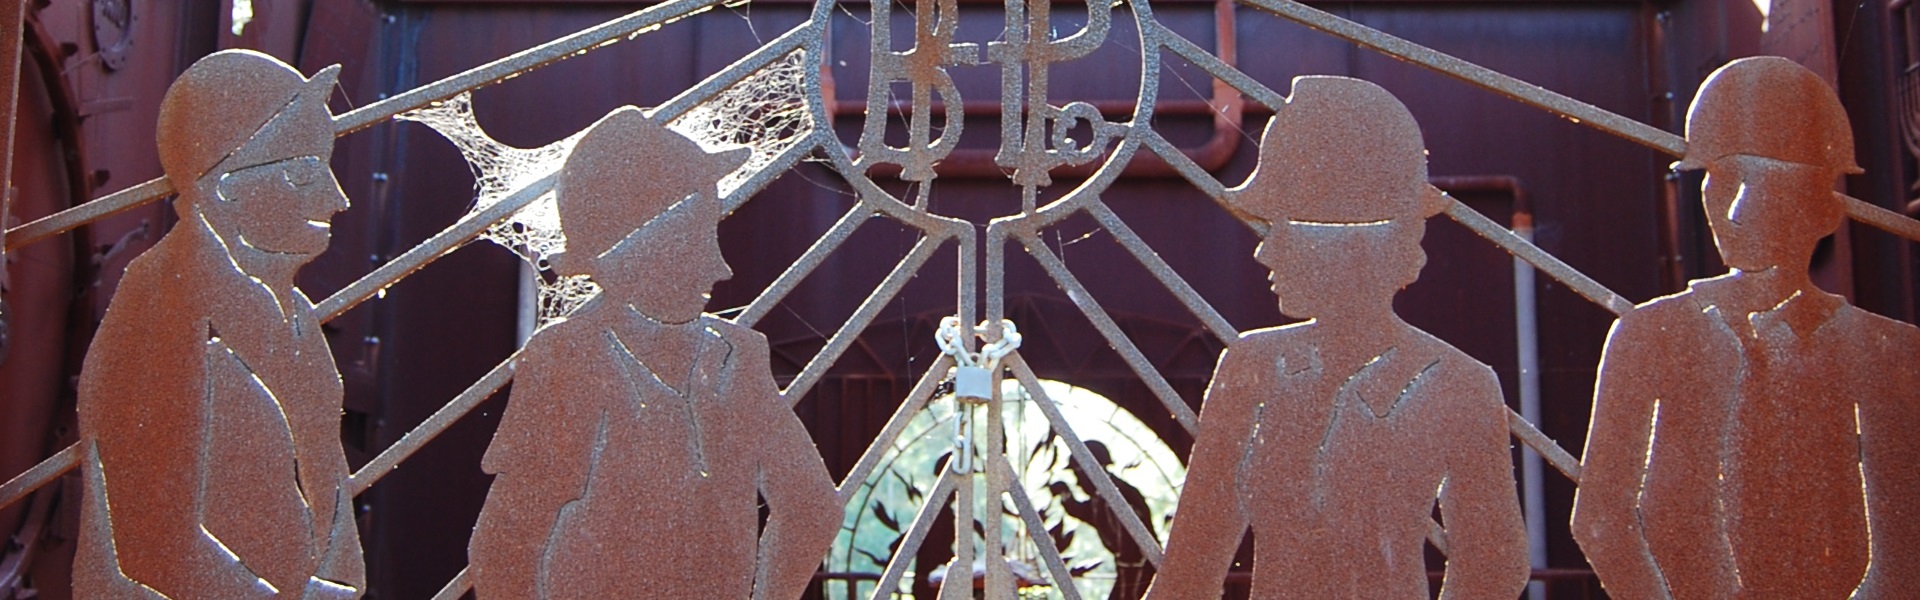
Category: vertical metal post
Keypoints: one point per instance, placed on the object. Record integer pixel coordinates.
(1526, 327)
(12, 15)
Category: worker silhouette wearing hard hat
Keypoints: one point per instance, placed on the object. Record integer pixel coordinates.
(642, 435)
(1334, 438)
(1754, 436)
(209, 403)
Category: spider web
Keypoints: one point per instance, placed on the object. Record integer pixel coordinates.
(766, 112)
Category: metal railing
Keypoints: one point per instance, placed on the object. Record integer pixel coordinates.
(1031, 149)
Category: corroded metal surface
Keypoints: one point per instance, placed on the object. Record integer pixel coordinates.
(637, 422)
(209, 403)
(1333, 438)
(678, 362)
(1752, 435)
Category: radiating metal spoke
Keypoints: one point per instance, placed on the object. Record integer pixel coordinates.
(449, 239)
(1116, 338)
(1102, 482)
(1038, 532)
(842, 339)
(910, 406)
(917, 534)
(462, 404)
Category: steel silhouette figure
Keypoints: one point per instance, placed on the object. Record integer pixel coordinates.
(1333, 438)
(209, 403)
(1754, 436)
(642, 434)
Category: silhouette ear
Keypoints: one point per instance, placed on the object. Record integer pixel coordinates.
(1433, 201)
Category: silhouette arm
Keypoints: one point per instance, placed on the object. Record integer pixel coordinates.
(1606, 513)
(1890, 462)
(149, 415)
(1212, 516)
(1486, 537)
(804, 513)
(541, 456)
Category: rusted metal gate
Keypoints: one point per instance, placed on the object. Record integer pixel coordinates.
(1042, 140)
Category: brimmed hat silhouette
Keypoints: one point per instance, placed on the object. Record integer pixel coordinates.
(1769, 107)
(626, 171)
(240, 108)
(1341, 150)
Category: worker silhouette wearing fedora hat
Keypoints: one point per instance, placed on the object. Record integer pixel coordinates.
(209, 403)
(1334, 438)
(642, 435)
(1754, 436)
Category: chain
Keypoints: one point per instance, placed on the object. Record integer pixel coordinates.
(972, 380)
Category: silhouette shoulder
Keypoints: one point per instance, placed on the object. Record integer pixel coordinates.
(741, 337)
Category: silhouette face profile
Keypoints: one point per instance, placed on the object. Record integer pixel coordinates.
(640, 208)
(247, 142)
(667, 268)
(1768, 213)
(1323, 270)
(282, 207)
(1342, 182)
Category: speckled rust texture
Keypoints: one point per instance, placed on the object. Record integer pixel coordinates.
(641, 434)
(1754, 436)
(209, 403)
(1334, 438)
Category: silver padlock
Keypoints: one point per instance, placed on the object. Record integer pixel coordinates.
(974, 384)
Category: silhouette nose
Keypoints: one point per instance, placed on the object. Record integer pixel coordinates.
(719, 268)
(334, 200)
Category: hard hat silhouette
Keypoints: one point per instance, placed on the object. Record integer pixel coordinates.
(628, 169)
(1342, 150)
(1769, 107)
(240, 108)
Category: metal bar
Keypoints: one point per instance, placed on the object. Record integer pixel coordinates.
(963, 518)
(902, 273)
(100, 208)
(439, 245)
(999, 576)
(1536, 96)
(1526, 321)
(775, 49)
(48, 470)
(1480, 224)
(1199, 177)
(805, 265)
(1162, 271)
(462, 404)
(1102, 482)
(1494, 81)
(1540, 259)
(1218, 68)
(456, 588)
(1037, 531)
(916, 534)
(760, 179)
(579, 42)
(1461, 213)
(1111, 330)
(910, 406)
(12, 39)
(1892, 222)
(1562, 461)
